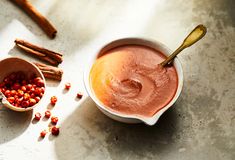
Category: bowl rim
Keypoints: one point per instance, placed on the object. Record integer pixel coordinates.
(18, 109)
(161, 47)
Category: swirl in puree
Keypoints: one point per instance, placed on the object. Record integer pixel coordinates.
(129, 80)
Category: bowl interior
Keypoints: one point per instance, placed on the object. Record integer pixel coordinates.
(138, 41)
(15, 64)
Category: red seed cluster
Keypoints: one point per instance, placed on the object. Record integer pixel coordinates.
(21, 91)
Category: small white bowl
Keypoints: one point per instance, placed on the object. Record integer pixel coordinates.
(130, 118)
(14, 64)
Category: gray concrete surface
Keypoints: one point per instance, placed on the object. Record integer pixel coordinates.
(201, 125)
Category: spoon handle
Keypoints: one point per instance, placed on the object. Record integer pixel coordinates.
(192, 38)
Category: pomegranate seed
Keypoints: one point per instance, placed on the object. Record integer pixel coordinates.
(37, 99)
(67, 86)
(32, 90)
(54, 120)
(19, 100)
(11, 99)
(20, 93)
(32, 95)
(13, 92)
(1, 90)
(53, 100)
(55, 131)
(42, 90)
(26, 96)
(47, 114)
(29, 86)
(6, 80)
(79, 95)
(41, 95)
(37, 91)
(24, 82)
(43, 133)
(7, 92)
(16, 86)
(2, 84)
(32, 101)
(37, 116)
(16, 97)
(23, 88)
(35, 80)
(40, 83)
(25, 104)
(8, 95)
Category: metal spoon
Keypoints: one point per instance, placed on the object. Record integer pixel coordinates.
(192, 38)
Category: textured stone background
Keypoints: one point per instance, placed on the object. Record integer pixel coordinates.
(201, 125)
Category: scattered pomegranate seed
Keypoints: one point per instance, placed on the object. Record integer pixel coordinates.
(43, 133)
(37, 116)
(55, 131)
(47, 114)
(54, 120)
(79, 95)
(67, 86)
(53, 100)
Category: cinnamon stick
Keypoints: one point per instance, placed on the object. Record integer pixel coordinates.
(52, 57)
(50, 72)
(42, 22)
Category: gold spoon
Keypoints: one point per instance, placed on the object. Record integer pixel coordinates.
(192, 38)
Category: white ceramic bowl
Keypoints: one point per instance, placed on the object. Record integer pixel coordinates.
(130, 118)
(14, 64)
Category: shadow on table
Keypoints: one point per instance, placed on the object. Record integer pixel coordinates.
(13, 124)
(88, 133)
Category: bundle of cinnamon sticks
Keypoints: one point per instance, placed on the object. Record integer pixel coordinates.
(40, 52)
(51, 57)
(46, 55)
